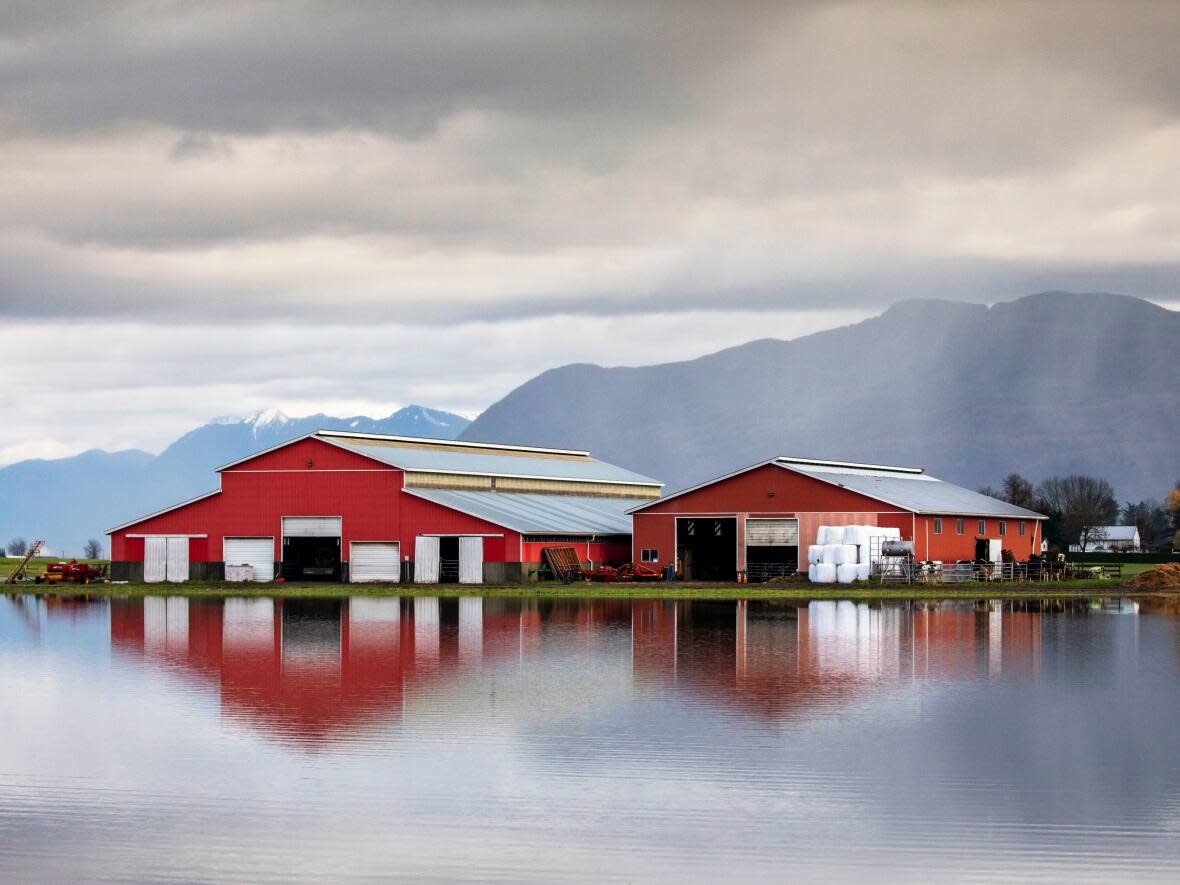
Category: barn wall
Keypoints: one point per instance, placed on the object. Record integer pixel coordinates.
(769, 489)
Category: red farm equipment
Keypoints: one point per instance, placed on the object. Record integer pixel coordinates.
(72, 572)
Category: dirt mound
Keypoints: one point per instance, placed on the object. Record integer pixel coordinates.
(1158, 577)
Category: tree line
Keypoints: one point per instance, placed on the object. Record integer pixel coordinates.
(1078, 506)
(18, 546)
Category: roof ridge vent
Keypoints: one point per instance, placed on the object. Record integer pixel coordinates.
(815, 462)
(458, 443)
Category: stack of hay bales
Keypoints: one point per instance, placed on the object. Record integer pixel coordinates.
(841, 553)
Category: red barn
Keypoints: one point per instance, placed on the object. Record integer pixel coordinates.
(341, 506)
(760, 519)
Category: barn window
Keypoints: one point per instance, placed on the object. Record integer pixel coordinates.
(1003, 527)
(690, 527)
(983, 527)
(937, 526)
(1022, 528)
(649, 554)
(959, 526)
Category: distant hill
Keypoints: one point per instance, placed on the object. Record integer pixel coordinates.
(1047, 384)
(68, 500)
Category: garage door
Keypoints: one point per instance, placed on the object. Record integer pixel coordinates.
(772, 533)
(374, 561)
(311, 526)
(165, 559)
(258, 553)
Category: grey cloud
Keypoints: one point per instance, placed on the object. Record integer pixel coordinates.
(256, 67)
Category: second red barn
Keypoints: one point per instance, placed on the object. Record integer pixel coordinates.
(757, 521)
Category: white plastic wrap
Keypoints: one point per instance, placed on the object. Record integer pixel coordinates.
(862, 571)
(811, 573)
(825, 573)
(823, 535)
(828, 554)
(843, 554)
(846, 574)
(815, 553)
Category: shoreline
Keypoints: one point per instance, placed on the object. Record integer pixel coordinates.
(973, 591)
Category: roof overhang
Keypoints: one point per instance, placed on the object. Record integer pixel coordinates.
(126, 525)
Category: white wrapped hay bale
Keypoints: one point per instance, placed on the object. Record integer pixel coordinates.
(823, 536)
(846, 574)
(856, 534)
(815, 553)
(843, 554)
(825, 573)
(863, 570)
(888, 532)
(811, 573)
(828, 554)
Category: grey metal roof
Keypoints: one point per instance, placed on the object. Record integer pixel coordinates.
(1114, 533)
(539, 514)
(437, 459)
(903, 487)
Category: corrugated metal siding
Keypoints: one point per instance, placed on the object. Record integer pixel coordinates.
(418, 480)
(809, 524)
(602, 489)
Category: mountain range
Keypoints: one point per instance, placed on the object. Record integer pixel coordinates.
(1048, 384)
(68, 500)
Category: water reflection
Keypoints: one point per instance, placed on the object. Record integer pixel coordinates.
(308, 669)
(448, 738)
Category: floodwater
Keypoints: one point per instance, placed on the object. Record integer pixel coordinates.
(586, 740)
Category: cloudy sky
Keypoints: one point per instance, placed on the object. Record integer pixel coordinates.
(209, 209)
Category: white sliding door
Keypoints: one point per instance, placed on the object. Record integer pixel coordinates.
(471, 560)
(425, 560)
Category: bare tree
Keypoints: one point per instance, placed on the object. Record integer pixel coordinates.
(1152, 519)
(1091, 534)
(1019, 491)
(92, 549)
(1015, 490)
(1077, 503)
(18, 547)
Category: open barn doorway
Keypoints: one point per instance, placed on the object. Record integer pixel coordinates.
(706, 548)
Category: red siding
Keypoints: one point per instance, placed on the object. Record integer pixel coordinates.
(766, 491)
(596, 552)
(323, 456)
(950, 546)
(773, 491)
(367, 496)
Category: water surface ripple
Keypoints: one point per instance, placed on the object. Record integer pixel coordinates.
(586, 740)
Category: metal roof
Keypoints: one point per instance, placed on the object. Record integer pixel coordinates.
(437, 458)
(903, 487)
(910, 488)
(539, 514)
(1113, 533)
